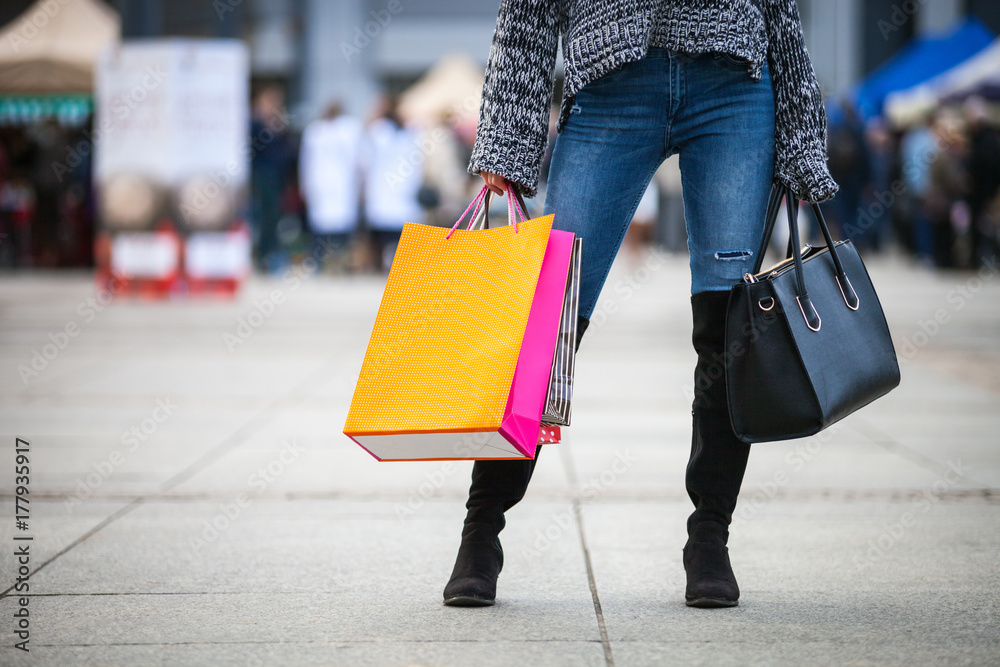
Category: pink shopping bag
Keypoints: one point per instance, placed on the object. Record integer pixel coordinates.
(526, 400)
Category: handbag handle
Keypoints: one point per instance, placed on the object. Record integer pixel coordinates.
(778, 192)
(806, 307)
(773, 203)
(846, 288)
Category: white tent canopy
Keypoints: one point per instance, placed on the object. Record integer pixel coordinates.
(51, 48)
(452, 87)
(907, 106)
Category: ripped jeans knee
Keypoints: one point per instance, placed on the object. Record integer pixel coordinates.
(733, 255)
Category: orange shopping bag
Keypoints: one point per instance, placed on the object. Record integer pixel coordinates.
(438, 377)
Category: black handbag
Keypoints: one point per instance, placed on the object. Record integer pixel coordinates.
(806, 341)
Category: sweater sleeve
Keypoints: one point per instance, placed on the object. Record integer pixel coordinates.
(800, 118)
(514, 114)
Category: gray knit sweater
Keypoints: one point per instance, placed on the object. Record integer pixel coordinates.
(599, 36)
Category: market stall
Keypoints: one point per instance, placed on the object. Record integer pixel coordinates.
(923, 59)
(47, 58)
(979, 75)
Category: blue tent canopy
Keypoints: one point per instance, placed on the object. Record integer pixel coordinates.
(922, 59)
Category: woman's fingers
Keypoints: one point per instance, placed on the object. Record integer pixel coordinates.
(495, 182)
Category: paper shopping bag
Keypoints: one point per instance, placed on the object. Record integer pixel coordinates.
(558, 402)
(549, 434)
(442, 377)
(526, 403)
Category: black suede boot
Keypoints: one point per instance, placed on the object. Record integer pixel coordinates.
(717, 464)
(496, 487)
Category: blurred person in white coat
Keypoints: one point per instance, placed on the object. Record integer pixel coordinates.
(330, 181)
(393, 176)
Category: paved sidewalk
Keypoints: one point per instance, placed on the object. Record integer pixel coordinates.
(193, 501)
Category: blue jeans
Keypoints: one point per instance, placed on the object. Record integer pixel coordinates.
(625, 124)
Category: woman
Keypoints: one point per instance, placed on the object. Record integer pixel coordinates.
(726, 84)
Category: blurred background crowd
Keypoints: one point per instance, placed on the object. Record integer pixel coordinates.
(321, 127)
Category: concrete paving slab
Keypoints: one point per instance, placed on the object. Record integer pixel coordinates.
(813, 587)
(306, 577)
(336, 549)
(341, 560)
(53, 526)
(437, 653)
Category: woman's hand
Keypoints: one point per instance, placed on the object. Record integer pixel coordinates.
(495, 182)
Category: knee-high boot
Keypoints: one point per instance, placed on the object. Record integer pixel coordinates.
(717, 464)
(496, 487)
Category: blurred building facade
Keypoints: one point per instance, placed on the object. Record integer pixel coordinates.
(352, 49)
(312, 53)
